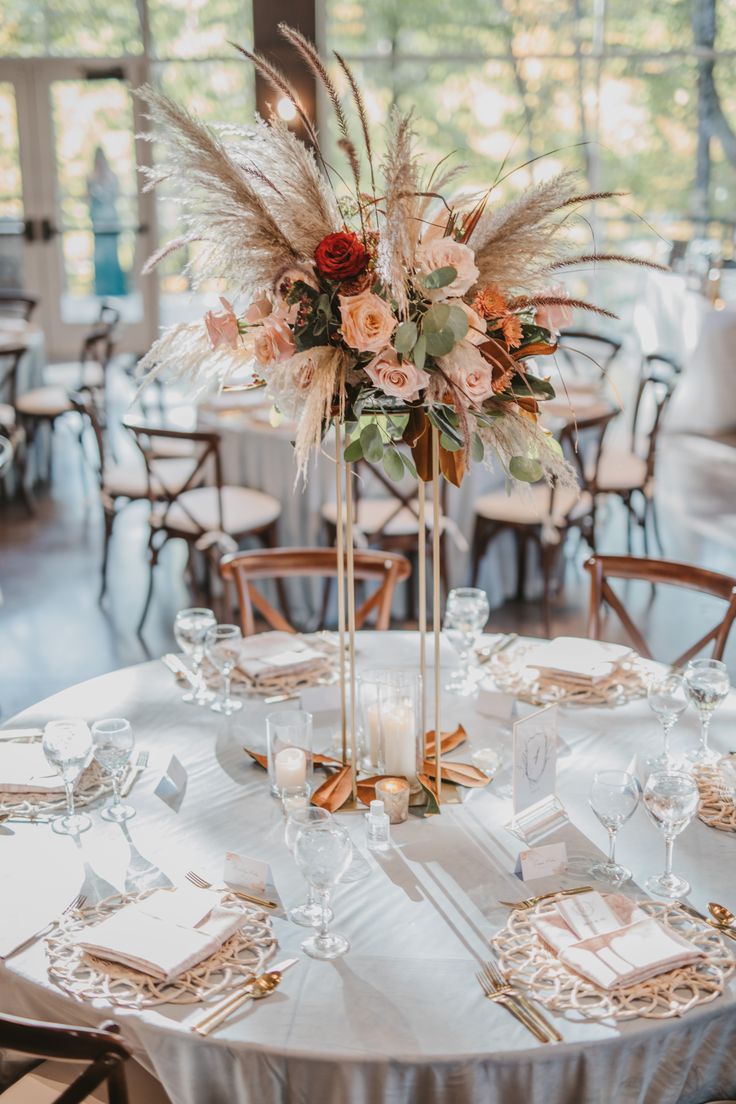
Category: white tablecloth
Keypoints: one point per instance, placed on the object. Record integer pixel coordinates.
(400, 1018)
(680, 323)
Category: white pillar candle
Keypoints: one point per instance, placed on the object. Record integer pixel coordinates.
(398, 730)
(290, 766)
(373, 724)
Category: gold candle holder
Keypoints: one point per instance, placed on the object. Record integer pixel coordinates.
(394, 793)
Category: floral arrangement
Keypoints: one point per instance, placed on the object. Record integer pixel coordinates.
(386, 306)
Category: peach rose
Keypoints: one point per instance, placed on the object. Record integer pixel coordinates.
(441, 252)
(367, 321)
(274, 341)
(476, 334)
(471, 374)
(257, 311)
(402, 380)
(222, 327)
(555, 316)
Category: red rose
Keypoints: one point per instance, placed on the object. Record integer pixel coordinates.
(341, 256)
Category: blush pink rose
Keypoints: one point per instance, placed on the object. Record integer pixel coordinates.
(274, 341)
(471, 374)
(367, 321)
(257, 311)
(222, 326)
(401, 380)
(557, 316)
(442, 252)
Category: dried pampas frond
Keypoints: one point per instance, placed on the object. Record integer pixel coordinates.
(171, 247)
(362, 114)
(521, 302)
(618, 258)
(305, 386)
(184, 352)
(515, 435)
(401, 228)
(279, 83)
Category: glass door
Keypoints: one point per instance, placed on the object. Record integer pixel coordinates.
(88, 226)
(13, 226)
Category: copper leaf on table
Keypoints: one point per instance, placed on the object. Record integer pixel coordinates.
(449, 741)
(433, 806)
(333, 793)
(261, 760)
(462, 774)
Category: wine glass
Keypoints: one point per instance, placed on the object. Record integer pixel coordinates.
(222, 646)
(112, 742)
(668, 701)
(466, 614)
(707, 685)
(67, 746)
(308, 915)
(190, 628)
(671, 799)
(614, 796)
(323, 853)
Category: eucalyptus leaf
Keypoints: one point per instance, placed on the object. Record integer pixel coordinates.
(449, 443)
(526, 469)
(372, 442)
(436, 318)
(408, 464)
(477, 449)
(354, 451)
(392, 464)
(420, 351)
(458, 322)
(440, 343)
(405, 337)
(440, 278)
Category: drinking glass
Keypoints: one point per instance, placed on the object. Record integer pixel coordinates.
(289, 748)
(707, 685)
(67, 746)
(671, 799)
(222, 645)
(112, 742)
(190, 628)
(308, 915)
(668, 701)
(466, 614)
(323, 853)
(614, 796)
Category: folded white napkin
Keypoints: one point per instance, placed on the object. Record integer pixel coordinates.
(627, 946)
(166, 934)
(25, 769)
(277, 653)
(577, 660)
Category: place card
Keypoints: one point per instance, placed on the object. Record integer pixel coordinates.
(588, 914)
(541, 862)
(320, 699)
(534, 771)
(173, 784)
(248, 875)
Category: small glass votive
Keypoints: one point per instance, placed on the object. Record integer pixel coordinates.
(394, 793)
(289, 738)
(295, 798)
(487, 760)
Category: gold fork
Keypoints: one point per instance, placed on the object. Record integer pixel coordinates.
(530, 902)
(502, 998)
(198, 881)
(502, 985)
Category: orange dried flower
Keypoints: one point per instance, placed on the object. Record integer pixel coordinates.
(490, 302)
(511, 327)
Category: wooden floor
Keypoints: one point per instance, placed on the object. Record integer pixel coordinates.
(53, 631)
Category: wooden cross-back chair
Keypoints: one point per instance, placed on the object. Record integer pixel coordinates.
(597, 358)
(89, 372)
(10, 426)
(244, 568)
(101, 1050)
(209, 517)
(687, 576)
(16, 304)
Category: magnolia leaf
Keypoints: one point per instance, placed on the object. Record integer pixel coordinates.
(449, 443)
(440, 278)
(433, 806)
(526, 469)
(405, 337)
(420, 351)
(448, 743)
(437, 318)
(392, 465)
(532, 385)
(333, 793)
(477, 449)
(371, 442)
(354, 451)
(440, 343)
(458, 322)
(261, 760)
(462, 774)
(452, 465)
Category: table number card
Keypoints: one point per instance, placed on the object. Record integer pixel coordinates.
(534, 758)
(248, 875)
(173, 784)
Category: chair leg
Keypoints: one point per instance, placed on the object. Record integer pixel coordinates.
(652, 505)
(109, 521)
(153, 560)
(520, 565)
(478, 548)
(270, 540)
(548, 556)
(629, 525)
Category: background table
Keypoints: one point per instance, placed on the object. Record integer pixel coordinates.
(401, 1017)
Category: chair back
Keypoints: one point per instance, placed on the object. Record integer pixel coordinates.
(581, 442)
(656, 386)
(9, 361)
(84, 405)
(16, 304)
(151, 440)
(244, 568)
(604, 568)
(583, 352)
(101, 1048)
(402, 495)
(6, 454)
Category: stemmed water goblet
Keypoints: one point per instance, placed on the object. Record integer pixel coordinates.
(707, 684)
(614, 796)
(668, 701)
(308, 915)
(671, 799)
(112, 742)
(466, 614)
(67, 746)
(222, 646)
(190, 628)
(323, 853)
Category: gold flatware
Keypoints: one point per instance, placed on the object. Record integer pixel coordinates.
(722, 914)
(179, 669)
(530, 902)
(138, 767)
(256, 988)
(501, 984)
(502, 998)
(724, 929)
(198, 881)
(491, 650)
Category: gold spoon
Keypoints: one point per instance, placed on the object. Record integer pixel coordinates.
(721, 914)
(260, 987)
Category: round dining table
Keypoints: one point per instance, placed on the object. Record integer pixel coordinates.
(401, 1017)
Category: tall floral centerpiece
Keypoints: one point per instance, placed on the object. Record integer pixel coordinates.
(378, 301)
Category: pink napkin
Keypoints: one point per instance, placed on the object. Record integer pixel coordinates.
(622, 945)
